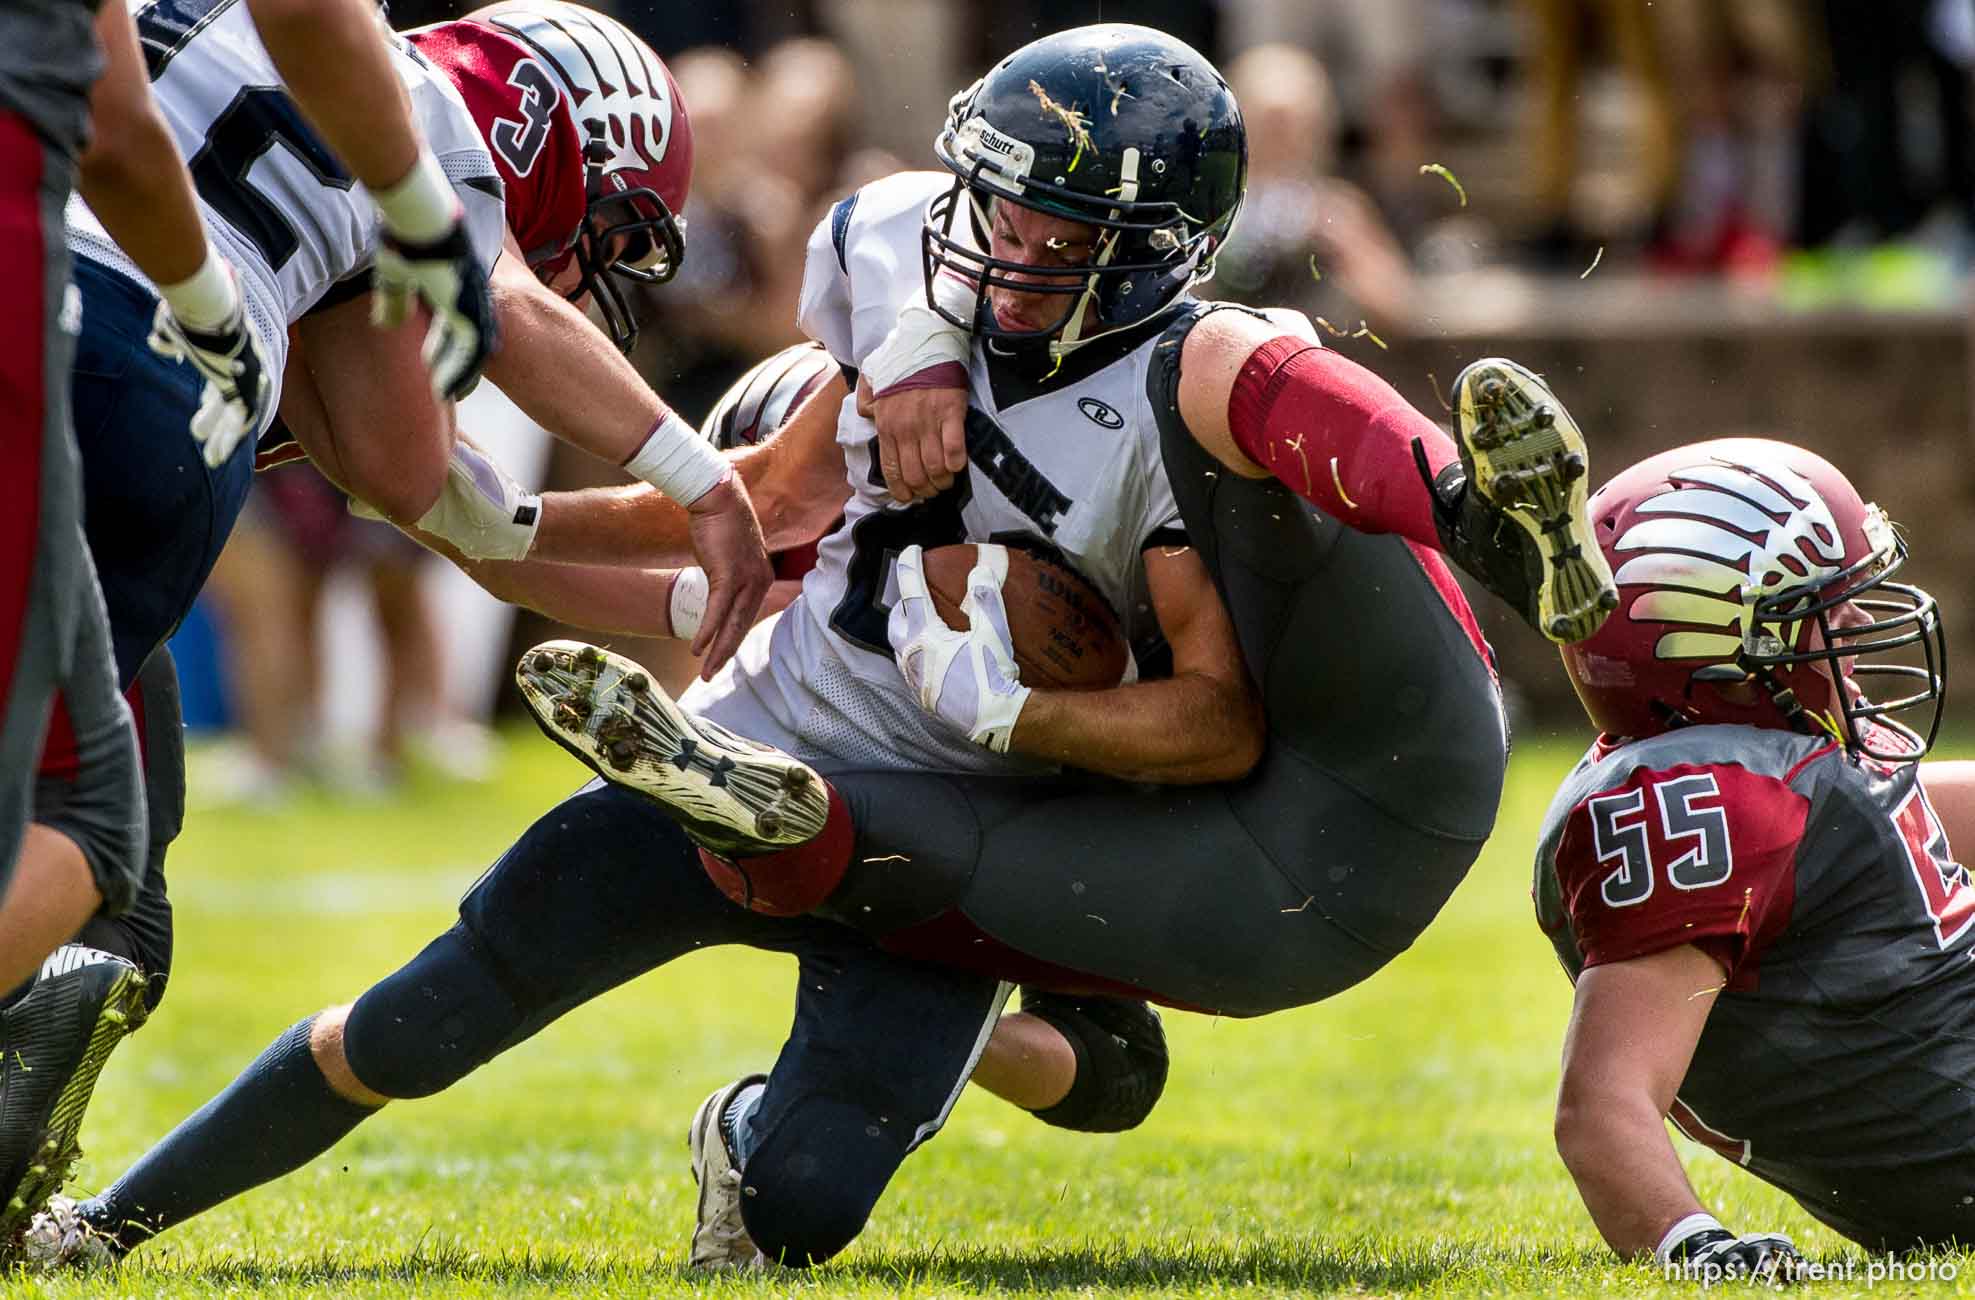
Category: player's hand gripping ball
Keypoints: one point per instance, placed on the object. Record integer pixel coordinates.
(967, 674)
(976, 627)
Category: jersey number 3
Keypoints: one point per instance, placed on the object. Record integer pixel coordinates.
(1687, 829)
(520, 143)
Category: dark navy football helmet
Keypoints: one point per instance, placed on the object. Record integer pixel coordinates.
(1118, 126)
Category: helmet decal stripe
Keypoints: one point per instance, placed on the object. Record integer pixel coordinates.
(1674, 569)
(1698, 645)
(599, 75)
(589, 54)
(528, 27)
(1706, 503)
(1687, 607)
(1695, 535)
(1730, 478)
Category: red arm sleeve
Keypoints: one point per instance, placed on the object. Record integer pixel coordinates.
(1690, 854)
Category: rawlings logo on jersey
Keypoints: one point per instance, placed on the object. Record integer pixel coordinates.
(1100, 412)
(1726, 536)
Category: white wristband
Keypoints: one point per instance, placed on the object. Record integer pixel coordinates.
(422, 207)
(678, 462)
(1699, 1221)
(688, 604)
(921, 338)
(206, 299)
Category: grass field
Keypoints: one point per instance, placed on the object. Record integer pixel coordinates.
(1395, 1139)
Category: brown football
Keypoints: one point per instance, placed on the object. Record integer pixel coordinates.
(1066, 636)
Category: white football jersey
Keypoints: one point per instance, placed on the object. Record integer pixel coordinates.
(1075, 470)
(277, 204)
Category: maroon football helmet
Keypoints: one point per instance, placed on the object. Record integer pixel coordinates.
(589, 135)
(1752, 579)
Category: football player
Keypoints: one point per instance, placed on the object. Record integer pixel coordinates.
(1261, 779)
(1749, 876)
(581, 197)
(86, 847)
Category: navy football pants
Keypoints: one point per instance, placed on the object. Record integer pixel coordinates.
(605, 887)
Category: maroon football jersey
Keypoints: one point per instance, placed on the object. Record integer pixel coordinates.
(1839, 1062)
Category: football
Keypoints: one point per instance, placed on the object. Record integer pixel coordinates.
(1067, 638)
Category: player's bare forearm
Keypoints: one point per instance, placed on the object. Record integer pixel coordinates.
(1616, 1148)
(1950, 787)
(333, 57)
(796, 479)
(630, 525)
(638, 524)
(597, 598)
(1187, 729)
(131, 175)
(563, 372)
(1633, 1028)
(1204, 723)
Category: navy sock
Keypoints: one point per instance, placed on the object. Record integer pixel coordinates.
(276, 1117)
(736, 1125)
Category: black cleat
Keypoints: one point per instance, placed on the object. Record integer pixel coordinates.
(734, 797)
(1512, 511)
(53, 1043)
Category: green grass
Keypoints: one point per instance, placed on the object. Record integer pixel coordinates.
(1394, 1139)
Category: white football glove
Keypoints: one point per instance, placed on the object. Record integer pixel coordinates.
(1710, 1253)
(237, 390)
(968, 678)
(481, 510)
(449, 279)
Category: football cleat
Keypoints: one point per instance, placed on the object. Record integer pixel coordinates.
(720, 1237)
(53, 1043)
(60, 1238)
(734, 797)
(1512, 512)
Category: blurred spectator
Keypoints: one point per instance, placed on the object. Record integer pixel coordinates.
(1563, 31)
(778, 140)
(996, 29)
(745, 25)
(295, 535)
(1889, 139)
(1304, 236)
(909, 57)
(1376, 51)
(801, 128)
(1742, 70)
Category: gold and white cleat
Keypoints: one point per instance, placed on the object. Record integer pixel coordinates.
(733, 796)
(1528, 472)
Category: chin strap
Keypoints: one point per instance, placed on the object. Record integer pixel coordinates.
(1801, 719)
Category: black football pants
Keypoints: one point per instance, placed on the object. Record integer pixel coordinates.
(605, 887)
(1383, 770)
